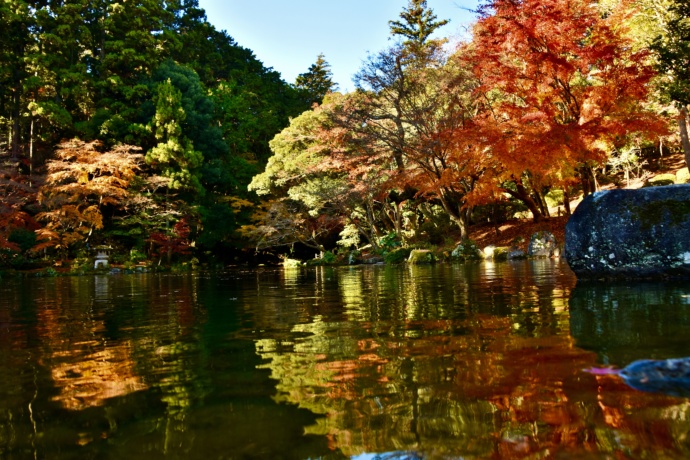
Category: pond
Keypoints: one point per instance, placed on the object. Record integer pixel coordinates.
(436, 362)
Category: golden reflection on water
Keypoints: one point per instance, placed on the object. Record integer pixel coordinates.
(89, 380)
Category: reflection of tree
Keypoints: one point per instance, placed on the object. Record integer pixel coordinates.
(628, 322)
(425, 361)
(85, 371)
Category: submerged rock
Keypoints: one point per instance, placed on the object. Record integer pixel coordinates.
(641, 233)
(669, 376)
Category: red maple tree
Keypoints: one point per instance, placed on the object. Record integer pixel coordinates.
(563, 85)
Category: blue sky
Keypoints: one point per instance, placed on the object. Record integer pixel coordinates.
(288, 35)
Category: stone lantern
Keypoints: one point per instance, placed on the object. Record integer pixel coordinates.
(102, 256)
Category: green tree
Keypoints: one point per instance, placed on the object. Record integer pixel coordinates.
(673, 52)
(174, 154)
(16, 29)
(131, 39)
(418, 23)
(317, 81)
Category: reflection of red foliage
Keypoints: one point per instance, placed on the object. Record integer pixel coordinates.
(175, 243)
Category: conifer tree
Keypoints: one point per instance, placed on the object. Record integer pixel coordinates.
(418, 23)
(317, 81)
(174, 154)
(673, 51)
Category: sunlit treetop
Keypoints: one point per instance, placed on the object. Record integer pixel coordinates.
(418, 23)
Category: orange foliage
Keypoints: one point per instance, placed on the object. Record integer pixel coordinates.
(563, 86)
(81, 181)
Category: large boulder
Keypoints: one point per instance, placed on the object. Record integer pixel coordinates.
(641, 233)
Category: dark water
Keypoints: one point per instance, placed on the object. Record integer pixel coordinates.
(446, 361)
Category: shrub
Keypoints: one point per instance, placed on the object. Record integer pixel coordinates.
(397, 256)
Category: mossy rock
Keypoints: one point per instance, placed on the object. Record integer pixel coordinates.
(661, 179)
(397, 256)
(467, 250)
(682, 176)
(497, 253)
(421, 256)
(628, 234)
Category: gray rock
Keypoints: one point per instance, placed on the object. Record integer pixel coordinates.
(542, 244)
(641, 233)
(373, 260)
(516, 254)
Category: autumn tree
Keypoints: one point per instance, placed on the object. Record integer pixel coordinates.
(563, 85)
(304, 201)
(17, 226)
(420, 108)
(83, 182)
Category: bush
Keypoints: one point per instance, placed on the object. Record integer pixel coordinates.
(397, 256)
(661, 179)
(328, 258)
(389, 242)
(25, 239)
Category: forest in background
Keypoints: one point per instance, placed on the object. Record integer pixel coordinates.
(139, 126)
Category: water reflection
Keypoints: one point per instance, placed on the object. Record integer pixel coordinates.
(446, 361)
(425, 359)
(625, 322)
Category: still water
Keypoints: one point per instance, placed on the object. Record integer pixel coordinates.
(436, 362)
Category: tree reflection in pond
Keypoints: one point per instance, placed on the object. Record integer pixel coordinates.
(426, 360)
(448, 361)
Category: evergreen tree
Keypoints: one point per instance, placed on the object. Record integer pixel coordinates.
(174, 155)
(16, 28)
(131, 39)
(673, 51)
(317, 81)
(418, 23)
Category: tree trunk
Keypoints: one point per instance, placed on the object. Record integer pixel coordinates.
(457, 213)
(566, 201)
(541, 202)
(522, 195)
(16, 111)
(683, 125)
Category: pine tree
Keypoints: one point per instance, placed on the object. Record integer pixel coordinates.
(174, 154)
(418, 23)
(317, 81)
